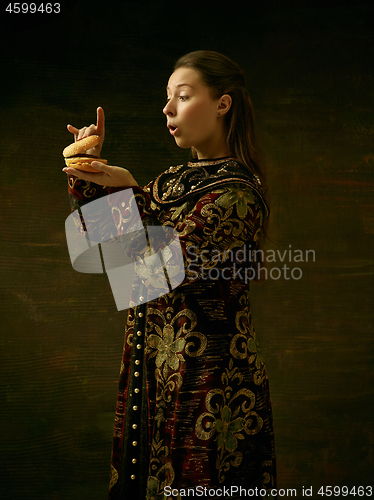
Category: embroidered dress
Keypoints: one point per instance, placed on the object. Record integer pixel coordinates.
(193, 408)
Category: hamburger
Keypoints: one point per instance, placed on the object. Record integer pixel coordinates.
(76, 157)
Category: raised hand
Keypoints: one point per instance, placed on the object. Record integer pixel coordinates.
(98, 129)
(109, 175)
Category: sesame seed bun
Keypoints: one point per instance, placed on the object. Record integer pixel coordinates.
(81, 146)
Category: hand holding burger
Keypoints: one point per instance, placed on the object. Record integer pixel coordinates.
(76, 156)
(98, 129)
(83, 160)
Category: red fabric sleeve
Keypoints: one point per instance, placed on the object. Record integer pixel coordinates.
(82, 192)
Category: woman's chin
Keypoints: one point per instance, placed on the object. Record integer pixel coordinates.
(182, 144)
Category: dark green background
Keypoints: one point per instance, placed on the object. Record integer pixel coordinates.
(309, 67)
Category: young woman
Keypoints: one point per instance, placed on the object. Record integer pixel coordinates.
(193, 408)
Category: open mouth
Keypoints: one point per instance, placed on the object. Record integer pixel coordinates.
(172, 128)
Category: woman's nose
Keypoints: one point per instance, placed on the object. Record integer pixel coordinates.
(168, 109)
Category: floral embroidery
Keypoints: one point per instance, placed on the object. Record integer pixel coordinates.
(240, 197)
(236, 416)
(167, 348)
(166, 344)
(155, 488)
(253, 347)
(244, 345)
(227, 429)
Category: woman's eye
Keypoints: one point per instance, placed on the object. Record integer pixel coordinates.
(181, 98)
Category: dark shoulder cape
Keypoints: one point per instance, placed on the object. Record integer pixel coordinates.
(177, 183)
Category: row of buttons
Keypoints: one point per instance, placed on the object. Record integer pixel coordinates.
(136, 390)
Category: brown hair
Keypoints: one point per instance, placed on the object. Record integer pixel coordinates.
(224, 76)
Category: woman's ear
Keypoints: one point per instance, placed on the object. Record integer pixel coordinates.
(224, 104)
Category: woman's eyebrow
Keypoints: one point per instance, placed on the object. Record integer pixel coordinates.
(181, 85)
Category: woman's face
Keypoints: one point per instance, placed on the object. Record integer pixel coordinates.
(192, 114)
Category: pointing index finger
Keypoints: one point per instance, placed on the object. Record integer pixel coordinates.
(100, 124)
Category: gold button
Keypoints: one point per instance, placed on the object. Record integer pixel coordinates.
(134, 460)
(139, 333)
(137, 362)
(139, 346)
(134, 426)
(136, 391)
(140, 315)
(134, 408)
(132, 476)
(135, 443)
(136, 374)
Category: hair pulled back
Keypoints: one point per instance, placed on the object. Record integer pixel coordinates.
(223, 76)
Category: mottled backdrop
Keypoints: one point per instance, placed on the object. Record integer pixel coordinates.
(309, 67)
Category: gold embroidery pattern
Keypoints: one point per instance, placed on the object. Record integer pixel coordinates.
(169, 186)
(189, 227)
(245, 345)
(167, 344)
(176, 211)
(209, 163)
(142, 202)
(129, 333)
(154, 207)
(72, 181)
(224, 224)
(229, 420)
(88, 190)
(174, 169)
(155, 488)
(113, 477)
